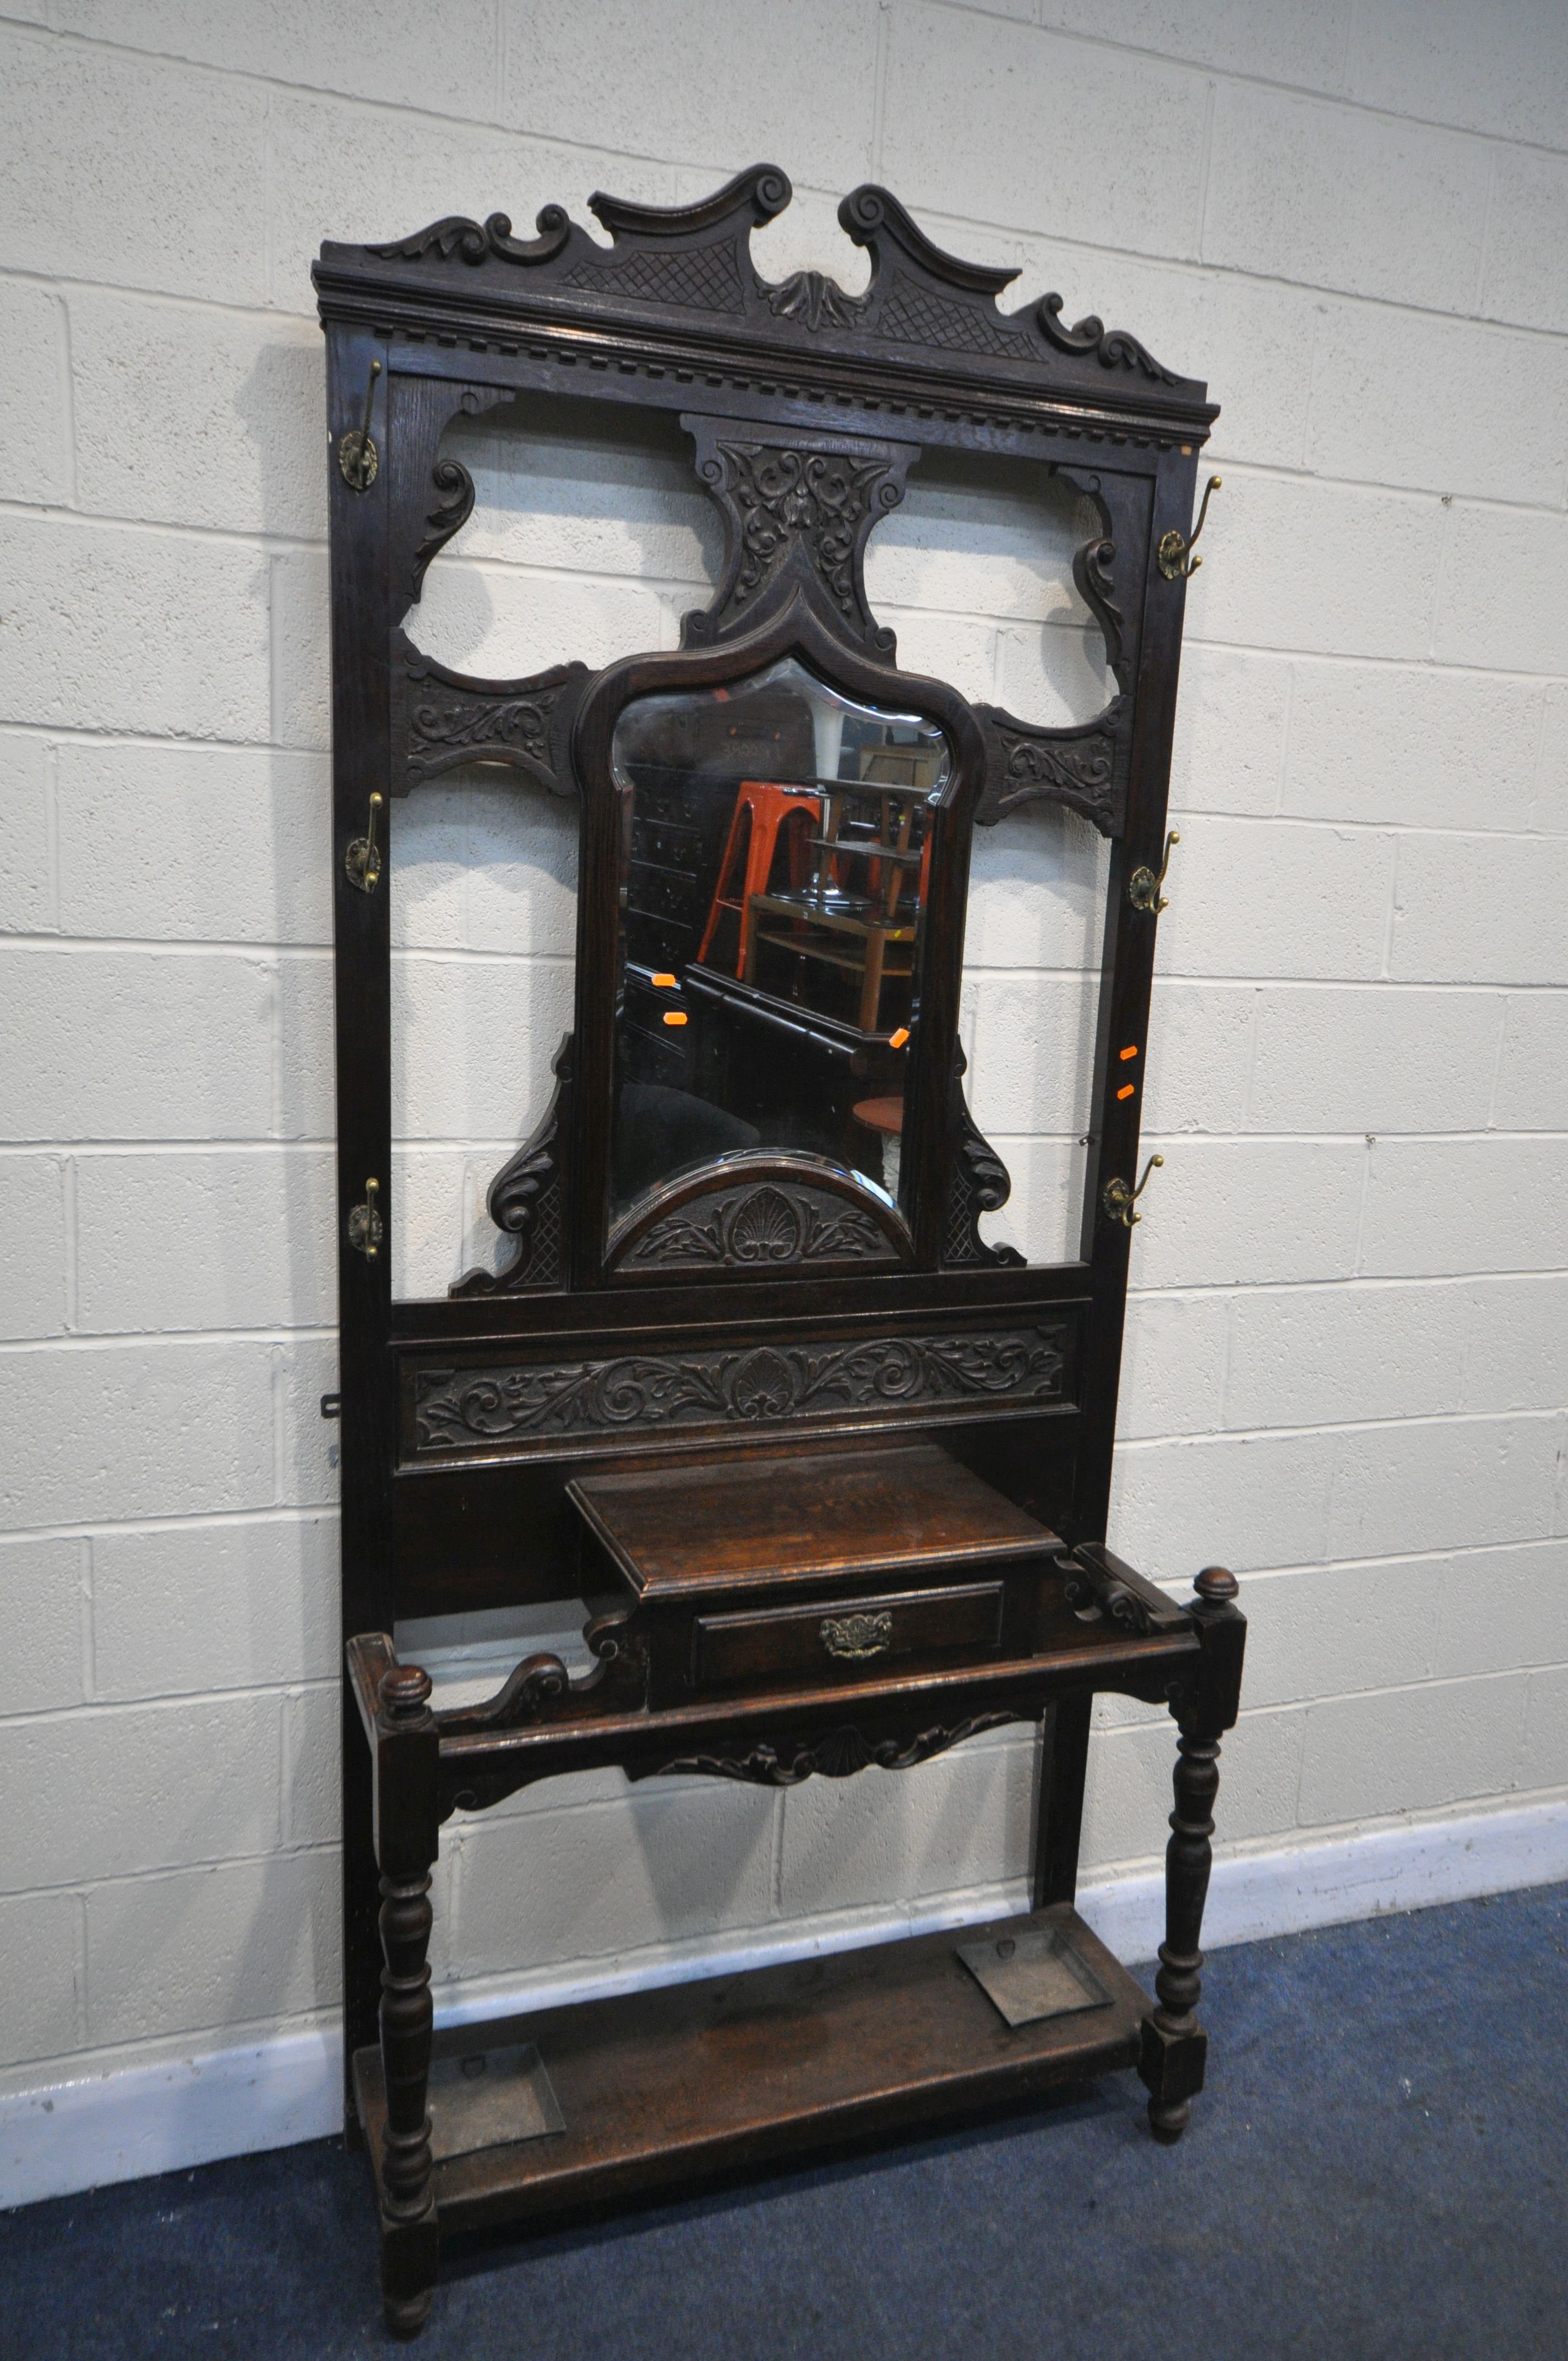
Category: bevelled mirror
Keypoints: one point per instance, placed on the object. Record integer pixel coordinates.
(774, 844)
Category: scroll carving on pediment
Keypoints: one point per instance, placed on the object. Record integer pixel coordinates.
(696, 258)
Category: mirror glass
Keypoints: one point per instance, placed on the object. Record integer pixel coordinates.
(775, 839)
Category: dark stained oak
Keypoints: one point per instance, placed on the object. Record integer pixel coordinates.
(667, 2088)
(804, 1518)
(826, 1466)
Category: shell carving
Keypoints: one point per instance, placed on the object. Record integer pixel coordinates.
(765, 1227)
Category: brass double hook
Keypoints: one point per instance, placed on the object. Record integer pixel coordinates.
(1174, 555)
(362, 859)
(1143, 885)
(365, 1227)
(358, 458)
(1120, 1202)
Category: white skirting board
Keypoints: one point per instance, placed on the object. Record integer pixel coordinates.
(193, 2107)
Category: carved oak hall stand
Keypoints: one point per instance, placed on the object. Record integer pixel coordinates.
(829, 1471)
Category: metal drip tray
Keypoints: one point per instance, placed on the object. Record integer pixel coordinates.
(490, 2098)
(1037, 1972)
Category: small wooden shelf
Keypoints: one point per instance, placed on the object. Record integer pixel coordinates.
(670, 2088)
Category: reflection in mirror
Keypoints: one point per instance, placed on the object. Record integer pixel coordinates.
(1027, 1017)
(774, 844)
(482, 871)
(973, 570)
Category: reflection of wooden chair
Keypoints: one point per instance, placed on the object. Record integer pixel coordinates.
(764, 811)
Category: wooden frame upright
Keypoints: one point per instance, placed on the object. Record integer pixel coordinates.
(464, 1421)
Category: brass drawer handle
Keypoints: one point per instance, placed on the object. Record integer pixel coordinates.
(857, 1635)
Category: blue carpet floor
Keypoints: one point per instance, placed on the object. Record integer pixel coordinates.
(1378, 2169)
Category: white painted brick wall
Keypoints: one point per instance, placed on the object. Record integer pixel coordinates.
(1346, 1369)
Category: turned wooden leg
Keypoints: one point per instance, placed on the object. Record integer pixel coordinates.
(1174, 2045)
(1181, 2043)
(405, 1846)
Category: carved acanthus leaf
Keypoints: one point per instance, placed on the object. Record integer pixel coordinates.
(441, 719)
(814, 300)
(727, 1386)
(763, 1227)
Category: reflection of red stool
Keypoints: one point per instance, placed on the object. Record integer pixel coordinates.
(763, 810)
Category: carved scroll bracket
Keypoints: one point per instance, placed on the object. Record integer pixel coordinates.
(431, 498)
(1111, 568)
(1101, 1584)
(539, 1690)
(527, 1200)
(978, 1182)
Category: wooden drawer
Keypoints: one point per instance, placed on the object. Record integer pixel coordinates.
(849, 1635)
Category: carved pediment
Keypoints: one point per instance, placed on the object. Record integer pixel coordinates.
(923, 306)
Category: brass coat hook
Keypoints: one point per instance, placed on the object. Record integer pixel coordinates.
(1119, 1200)
(1174, 555)
(1143, 885)
(366, 1229)
(363, 858)
(358, 458)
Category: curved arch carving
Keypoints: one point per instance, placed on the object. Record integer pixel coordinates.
(760, 1212)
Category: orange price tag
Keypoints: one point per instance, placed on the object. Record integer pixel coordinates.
(667, 983)
(896, 1040)
(1125, 1091)
(675, 1016)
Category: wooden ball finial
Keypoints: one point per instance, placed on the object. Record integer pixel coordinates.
(405, 1692)
(1216, 1586)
